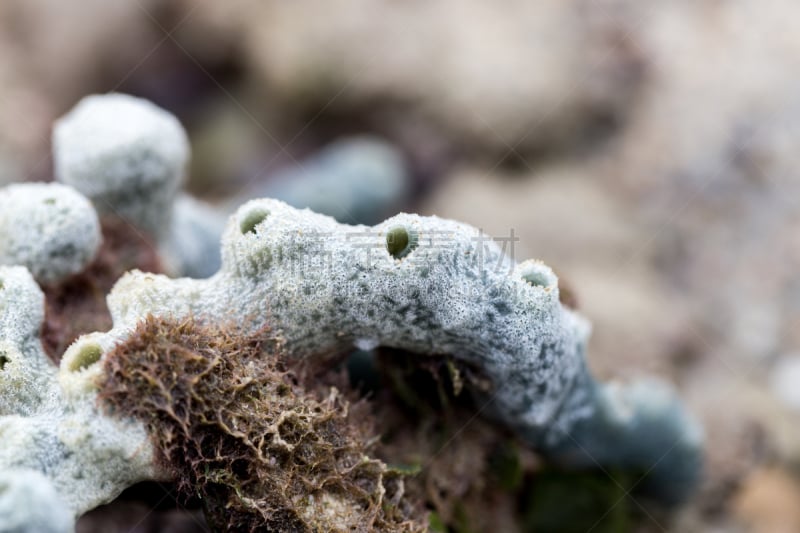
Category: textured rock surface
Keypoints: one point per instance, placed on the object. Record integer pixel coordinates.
(48, 228)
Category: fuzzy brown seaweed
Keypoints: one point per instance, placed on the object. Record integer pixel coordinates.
(234, 426)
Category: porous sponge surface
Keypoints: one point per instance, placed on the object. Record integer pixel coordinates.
(432, 286)
(50, 421)
(125, 154)
(328, 286)
(47, 227)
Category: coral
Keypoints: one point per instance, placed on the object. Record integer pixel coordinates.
(49, 420)
(48, 228)
(235, 428)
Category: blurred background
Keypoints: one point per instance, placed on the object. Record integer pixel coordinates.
(647, 151)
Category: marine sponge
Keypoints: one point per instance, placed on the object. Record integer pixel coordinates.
(28, 502)
(128, 156)
(421, 284)
(327, 286)
(49, 418)
(49, 228)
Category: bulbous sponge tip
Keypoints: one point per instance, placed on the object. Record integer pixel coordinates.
(126, 154)
(51, 229)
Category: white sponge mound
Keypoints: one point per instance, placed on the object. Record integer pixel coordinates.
(126, 154)
(30, 504)
(49, 228)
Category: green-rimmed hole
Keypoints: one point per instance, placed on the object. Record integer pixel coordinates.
(88, 355)
(3, 361)
(400, 241)
(539, 276)
(253, 219)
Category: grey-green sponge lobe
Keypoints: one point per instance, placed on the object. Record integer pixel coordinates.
(30, 504)
(126, 154)
(50, 419)
(328, 286)
(49, 228)
(129, 158)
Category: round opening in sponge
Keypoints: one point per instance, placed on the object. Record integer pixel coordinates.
(539, 275)
(253, 219)
(400, 241)
(88, 355)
